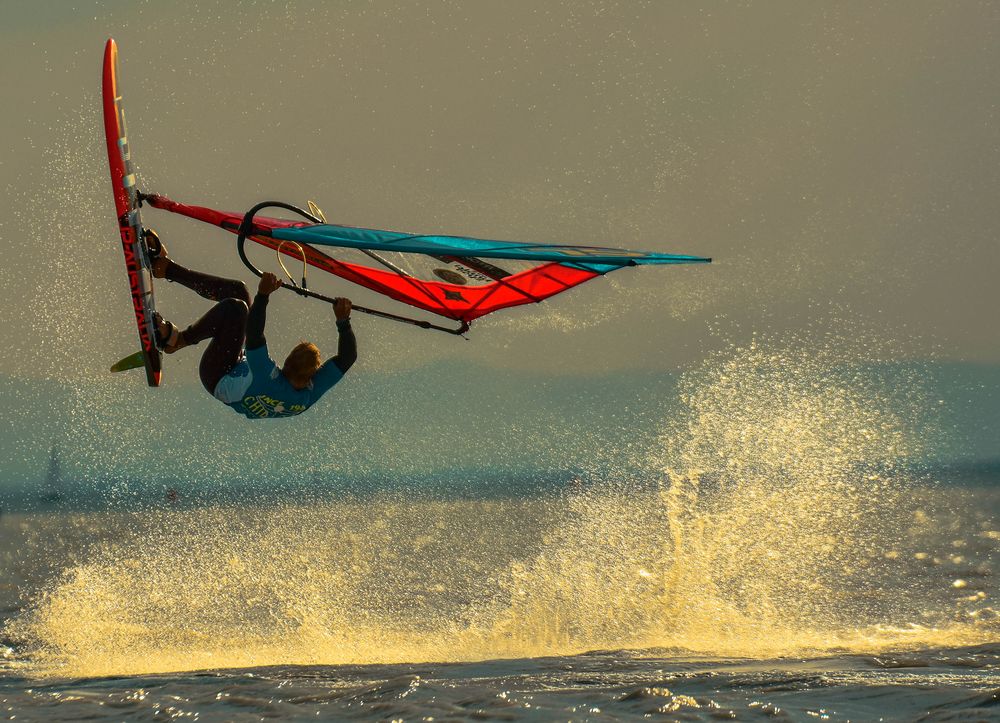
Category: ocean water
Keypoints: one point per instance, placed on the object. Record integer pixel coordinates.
(587, 604)
(776, 534)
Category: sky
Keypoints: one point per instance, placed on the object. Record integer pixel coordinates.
(839, 162)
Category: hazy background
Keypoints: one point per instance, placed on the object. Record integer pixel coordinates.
(838, 161)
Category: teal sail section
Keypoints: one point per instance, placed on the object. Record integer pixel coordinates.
(588, 257)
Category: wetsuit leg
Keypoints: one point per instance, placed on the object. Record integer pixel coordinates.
(214, 288)
(226, 325)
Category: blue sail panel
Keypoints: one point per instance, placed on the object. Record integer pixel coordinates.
(376, 240)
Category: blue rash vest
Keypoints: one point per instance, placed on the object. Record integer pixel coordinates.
(256, 388)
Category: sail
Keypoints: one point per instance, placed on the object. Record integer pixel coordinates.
(456, 277)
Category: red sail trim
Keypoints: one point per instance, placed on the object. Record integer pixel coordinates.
(452, 301)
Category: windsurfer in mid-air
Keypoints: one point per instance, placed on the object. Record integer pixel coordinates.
(236, 368)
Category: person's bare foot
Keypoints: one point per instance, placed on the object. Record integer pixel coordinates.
(168, 337)
(159, 260)
(159, 267)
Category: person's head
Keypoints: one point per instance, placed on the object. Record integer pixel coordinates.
(301, 364)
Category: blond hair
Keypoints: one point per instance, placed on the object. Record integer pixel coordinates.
(301, 363)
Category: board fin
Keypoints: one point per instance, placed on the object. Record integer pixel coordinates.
(132, 361)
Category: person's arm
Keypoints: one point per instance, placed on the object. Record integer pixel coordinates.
(347, 345)
(333, 369)
(258, 311)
